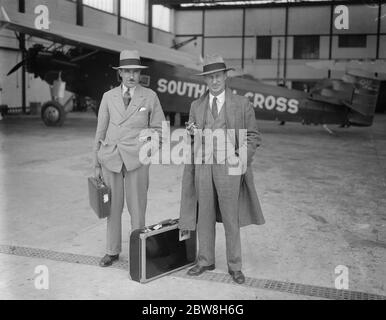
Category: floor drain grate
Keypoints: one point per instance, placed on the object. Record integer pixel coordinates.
(57, 256)
(274, 285)
(288, 287)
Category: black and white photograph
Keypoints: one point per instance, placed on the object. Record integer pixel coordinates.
(210, 152)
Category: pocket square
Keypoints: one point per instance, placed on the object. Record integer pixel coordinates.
(142, 109)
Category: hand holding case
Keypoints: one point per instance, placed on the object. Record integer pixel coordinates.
(99, 197)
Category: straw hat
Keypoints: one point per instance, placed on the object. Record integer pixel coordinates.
(213, 63)
(129, 59)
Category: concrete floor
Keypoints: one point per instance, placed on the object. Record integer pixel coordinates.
(323, 197)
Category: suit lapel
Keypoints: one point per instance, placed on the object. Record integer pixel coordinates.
(202, 109)
(118, 100)
(134, 104)
(230, 110)
(230, 114)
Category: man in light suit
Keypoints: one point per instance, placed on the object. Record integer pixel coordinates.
(210, 189)
(124, 113)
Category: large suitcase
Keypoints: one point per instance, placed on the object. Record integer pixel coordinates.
(156, 251)
(99, 197)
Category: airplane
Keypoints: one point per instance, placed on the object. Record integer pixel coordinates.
(83, 59)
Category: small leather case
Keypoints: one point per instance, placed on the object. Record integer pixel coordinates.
(99, 197)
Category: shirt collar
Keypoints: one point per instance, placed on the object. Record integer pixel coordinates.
(220, 98)
(124, 89)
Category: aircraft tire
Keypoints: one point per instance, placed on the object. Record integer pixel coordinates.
(53, 114)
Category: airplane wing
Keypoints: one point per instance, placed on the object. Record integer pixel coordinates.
(65, 33)
(378, 66)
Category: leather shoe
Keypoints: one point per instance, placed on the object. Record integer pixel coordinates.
(237, 276)
(197, 269)
(108, 260)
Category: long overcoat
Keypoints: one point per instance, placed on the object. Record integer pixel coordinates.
(239, 114)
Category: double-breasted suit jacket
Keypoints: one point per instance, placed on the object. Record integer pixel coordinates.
(117, 136)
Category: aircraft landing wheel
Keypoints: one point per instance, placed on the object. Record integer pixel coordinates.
(53, 114)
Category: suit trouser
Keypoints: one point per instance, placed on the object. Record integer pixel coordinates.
(217, 189)
(134, 184)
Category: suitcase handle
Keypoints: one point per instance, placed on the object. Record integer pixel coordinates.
(168, 222)
(100, 182)
(163, 223)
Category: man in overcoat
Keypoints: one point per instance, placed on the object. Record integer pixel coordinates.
(125, 113)
(211, 191)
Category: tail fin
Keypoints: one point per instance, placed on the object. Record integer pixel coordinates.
(364, 99)
(5, 15)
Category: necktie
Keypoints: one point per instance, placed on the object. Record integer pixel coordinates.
(214, 108)
(126, 98)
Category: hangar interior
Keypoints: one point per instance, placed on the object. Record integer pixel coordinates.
(323, 194)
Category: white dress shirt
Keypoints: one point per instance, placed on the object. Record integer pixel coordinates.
(220, 100)
(124, 89)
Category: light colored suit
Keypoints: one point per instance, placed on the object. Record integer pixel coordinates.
(116, 149)
(116, 138)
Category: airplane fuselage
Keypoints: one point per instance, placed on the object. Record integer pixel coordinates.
(177, 87)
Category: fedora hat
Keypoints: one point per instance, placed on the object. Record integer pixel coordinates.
(213, 63)
(129, 59)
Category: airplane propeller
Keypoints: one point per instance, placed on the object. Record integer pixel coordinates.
(16, 67)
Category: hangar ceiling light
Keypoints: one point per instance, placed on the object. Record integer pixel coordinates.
(201, 3)
(243, 3)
